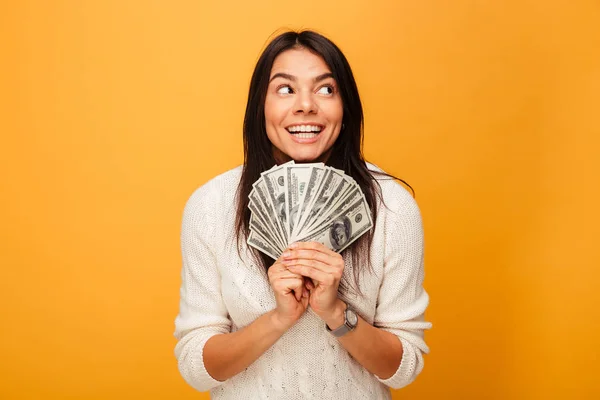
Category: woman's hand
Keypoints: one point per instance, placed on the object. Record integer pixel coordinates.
(324, 267)
(290, 294)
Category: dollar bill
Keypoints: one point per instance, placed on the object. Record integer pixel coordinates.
(262, 192)
(314, 180)
(274, 180)
(297, 177)
(347, 188)
(326, 193)
(339, 208)
(309, 209)
(259, 198)
(259, 227)
(343, 230)
(261, 244)
(306, 202)
(338, 194)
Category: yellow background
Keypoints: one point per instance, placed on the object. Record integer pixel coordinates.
(113, 112)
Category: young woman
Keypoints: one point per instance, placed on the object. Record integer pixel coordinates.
(313, 323)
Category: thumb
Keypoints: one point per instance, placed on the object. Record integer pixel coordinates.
(298, 291)
(305, 299)
(298, 294)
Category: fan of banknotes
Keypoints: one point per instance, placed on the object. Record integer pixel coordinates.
(306, 202)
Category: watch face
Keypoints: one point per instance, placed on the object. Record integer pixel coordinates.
(352, 318)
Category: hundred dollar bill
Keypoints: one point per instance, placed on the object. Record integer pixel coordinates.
(263, 196)
(274, 180)
(314, 180)
(258, 205)
(339, 208)
(347, 189)
(257, 225)
(343, 230)
(261, 244)
(326, 193)
(339, 194)
(308, 209)
(309, 202)
(296, 180)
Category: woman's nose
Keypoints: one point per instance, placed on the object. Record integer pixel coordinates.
(305, 103)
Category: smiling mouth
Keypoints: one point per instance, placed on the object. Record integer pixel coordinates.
(305, 131)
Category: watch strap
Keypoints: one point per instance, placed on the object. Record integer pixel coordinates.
(346, 326)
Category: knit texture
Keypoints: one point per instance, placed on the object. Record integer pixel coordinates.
(222, 292)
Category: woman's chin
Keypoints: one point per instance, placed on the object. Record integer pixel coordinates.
(302, 156)
(309, 156)
(306, 159)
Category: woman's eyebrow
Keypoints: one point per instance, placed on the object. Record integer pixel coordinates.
(284, 76)
(294, 79)
(323, 77)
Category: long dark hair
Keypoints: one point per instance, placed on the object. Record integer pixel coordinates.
(346, 152)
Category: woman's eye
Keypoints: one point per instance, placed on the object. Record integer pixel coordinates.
(326, 90)
(285, 90)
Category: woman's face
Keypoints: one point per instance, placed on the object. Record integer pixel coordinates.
(303, 108)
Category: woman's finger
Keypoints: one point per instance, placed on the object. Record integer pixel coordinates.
(308, 283)
(307, 254)
(285, 285)
(323, 263)
(284, 273)
(316, 246)
(286, 280)
(321, 266)
(325, 278)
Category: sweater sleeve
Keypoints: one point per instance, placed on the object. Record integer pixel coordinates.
(202, 313)
(402, 300)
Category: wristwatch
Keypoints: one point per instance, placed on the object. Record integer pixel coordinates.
(350, 322)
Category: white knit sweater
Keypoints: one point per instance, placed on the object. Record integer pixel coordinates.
(222, 292)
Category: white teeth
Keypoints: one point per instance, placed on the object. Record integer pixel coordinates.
(306, 135)
(304, 128)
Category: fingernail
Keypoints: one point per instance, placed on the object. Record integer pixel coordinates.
(305, 293)
(287, 254)
(294, 245)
